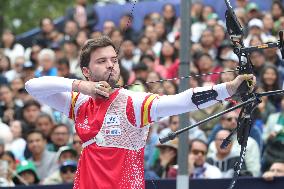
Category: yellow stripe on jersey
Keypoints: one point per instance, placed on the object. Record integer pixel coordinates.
(73, 103)
(146, 109)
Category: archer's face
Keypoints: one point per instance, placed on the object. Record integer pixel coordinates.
(103, 65)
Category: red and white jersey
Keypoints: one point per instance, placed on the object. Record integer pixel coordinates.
(116, 159)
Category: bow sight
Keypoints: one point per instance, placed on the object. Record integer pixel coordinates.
(250, 100)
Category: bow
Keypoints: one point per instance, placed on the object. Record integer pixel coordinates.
(244, 122)
(249, 100)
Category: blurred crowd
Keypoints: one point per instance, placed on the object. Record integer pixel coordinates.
(38, 145)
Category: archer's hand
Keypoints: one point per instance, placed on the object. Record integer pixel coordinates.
(94, 89)
(233, 86)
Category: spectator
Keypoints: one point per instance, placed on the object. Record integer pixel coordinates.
(9, 157)
(9, 110)
(265, 108)
(258, 60)
(35, 50)
(26, 174)
(28, 71)
(128, 58)
(11, 48)
(71, 53)
(30, 112)
(160, 29)
(44, 160)
(268, 23)
(18, 144)
(46, 59)
(272, 57)
(125, 26)
(273, 135)
(255, 27)
(277, 9)
(156, 45)
(5, 64)
(270, 81)
(167, 158)
(231, 60)
(44, 38)
(108, 27)
(71, 29)
(59, 137)
(276, 170)
(142, 46)
(252, 11)
(219, 34)
(229, 121)
(16, 85)
(44, 123)
(63, 69)
(66, 154)
(3, 174)
(155, 87)
(207, 41)
(67, 171)
(169, 17)
(83, 14)
(170, 88)
(16, 70)
(81, 37)
(205, 64)
(225, 159)
(76, 143)
(198, 167)
(117, 38)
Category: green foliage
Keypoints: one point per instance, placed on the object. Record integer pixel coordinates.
(27, 13)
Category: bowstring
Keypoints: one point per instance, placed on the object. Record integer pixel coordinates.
(179, 78)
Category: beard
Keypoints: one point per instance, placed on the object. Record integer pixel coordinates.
(108, 77)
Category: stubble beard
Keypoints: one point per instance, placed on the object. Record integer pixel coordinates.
(111, 81)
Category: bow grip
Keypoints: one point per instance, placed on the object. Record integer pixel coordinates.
(245, 86)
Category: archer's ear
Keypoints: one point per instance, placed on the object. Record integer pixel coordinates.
(86, 72)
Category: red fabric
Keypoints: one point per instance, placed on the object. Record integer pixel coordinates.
(172, 71)
(214, 77)
(105, 167)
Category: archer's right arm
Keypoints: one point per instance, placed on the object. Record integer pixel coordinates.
(53, 91)
(59, 92)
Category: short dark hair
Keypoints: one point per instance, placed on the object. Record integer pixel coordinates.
(197, 140)
(90, 46)
(31, 103)
(36, 131)
(63, 61)
(60, 125)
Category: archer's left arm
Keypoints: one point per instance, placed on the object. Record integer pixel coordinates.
(189, 100)
(196, 98)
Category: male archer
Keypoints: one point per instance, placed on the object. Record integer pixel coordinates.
(113, 122)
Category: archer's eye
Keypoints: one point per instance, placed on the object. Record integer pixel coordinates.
(102, 61)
